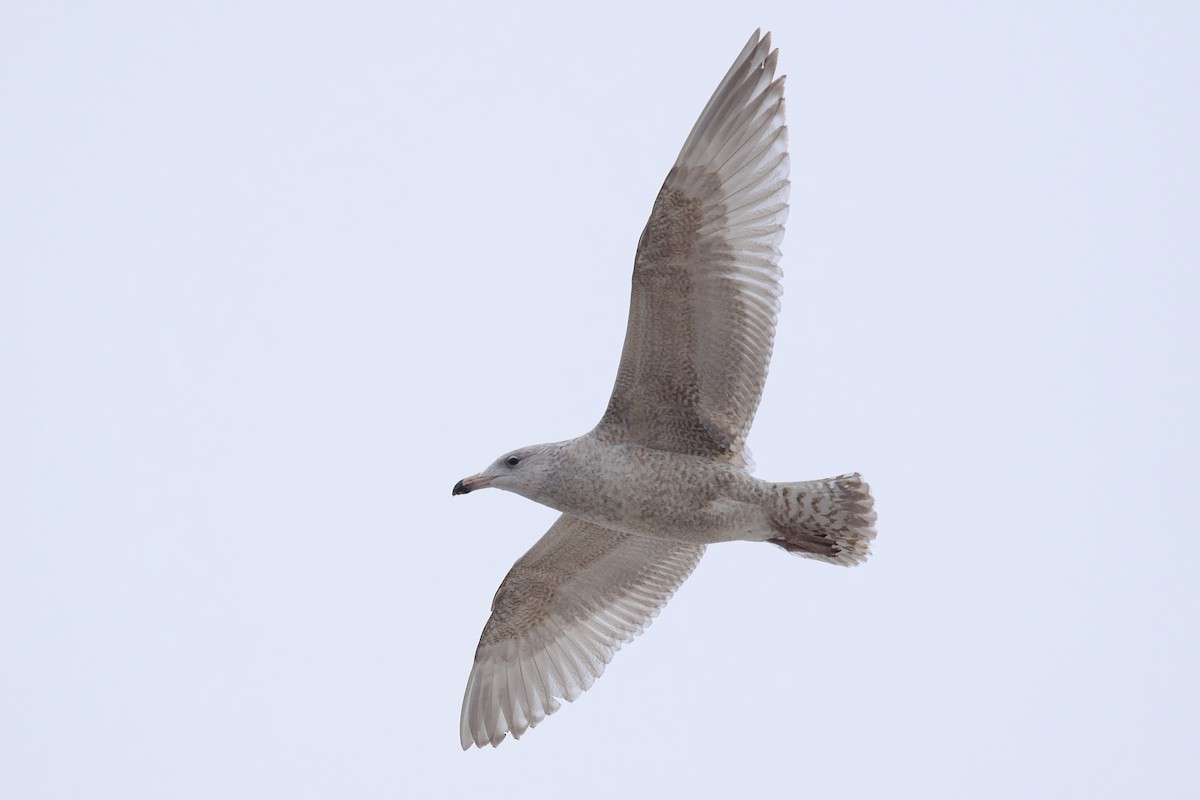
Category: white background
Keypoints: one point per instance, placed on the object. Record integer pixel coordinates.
(274, 277)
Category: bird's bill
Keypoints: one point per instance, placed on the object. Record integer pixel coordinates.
(471, 484)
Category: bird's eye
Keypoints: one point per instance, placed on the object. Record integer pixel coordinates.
(513, 461)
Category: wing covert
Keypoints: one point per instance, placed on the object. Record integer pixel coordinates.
(558, 617)
(706, 279)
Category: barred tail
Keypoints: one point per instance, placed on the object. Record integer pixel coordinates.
(832, 519)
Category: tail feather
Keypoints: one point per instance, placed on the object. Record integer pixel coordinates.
(830, 520)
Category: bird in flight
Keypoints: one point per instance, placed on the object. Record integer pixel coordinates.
(666, 471)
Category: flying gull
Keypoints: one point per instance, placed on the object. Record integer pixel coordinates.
(666, 471)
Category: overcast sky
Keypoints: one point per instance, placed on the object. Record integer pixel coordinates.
(274, 276)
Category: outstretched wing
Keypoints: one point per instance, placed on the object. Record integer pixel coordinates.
(560, 614)
(706, 276)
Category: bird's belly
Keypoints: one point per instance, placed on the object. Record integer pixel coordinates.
(711, 503)
(722, 521)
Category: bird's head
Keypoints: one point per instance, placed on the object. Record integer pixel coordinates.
(524, 472)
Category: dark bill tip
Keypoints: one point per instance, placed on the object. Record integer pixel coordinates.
(459, 488)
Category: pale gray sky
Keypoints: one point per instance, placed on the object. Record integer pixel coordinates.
(273, 278)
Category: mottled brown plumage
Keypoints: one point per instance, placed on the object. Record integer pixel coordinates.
(665, 472)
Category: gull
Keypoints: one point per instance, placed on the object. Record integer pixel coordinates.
(666, 471)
